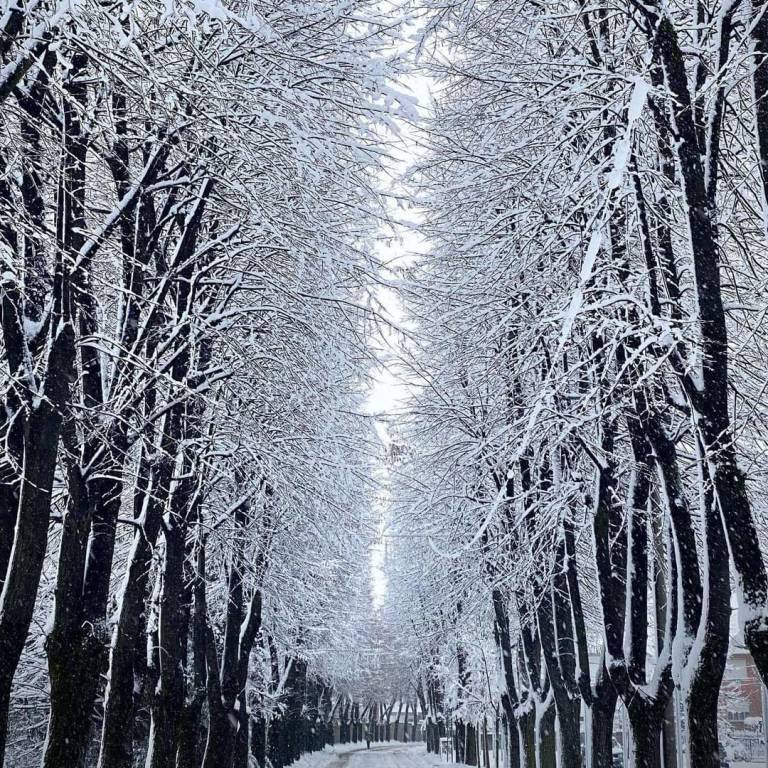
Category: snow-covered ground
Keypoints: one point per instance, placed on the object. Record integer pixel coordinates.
(390, 755)
(398, 755)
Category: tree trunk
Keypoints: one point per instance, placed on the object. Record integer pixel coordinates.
(558, 650)
(601, 715)
(71, 645)
(710, 656)
(119, 698)
(509, 697)
(169, 697)
(77, 643)
(274, 743)
(546, 735)
(646, 738)
(242, 736)
(344, 734)
(470, 744)
(189, 753)
(259, 741)
(459, 740)
(527, 730)
(668, 727)
(41, 440)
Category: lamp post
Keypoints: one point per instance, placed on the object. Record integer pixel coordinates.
(679, 729)
(624, 738)
(764, 697)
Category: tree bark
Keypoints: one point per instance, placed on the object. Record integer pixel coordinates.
(601, 714)
(116, 749)
(547, 735)
(558, 649)
(646, 738)
(169, 696)
(509, 697)
(710, 656)
(524, 730)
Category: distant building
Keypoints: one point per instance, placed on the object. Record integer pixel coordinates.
(741, 703)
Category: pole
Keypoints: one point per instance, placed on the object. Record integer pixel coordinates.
(764, 696)
(679, 729)
(624, 736)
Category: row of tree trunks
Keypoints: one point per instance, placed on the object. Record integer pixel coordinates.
(352, 728)
(77, 643)
(709, 393)
(31, 426)
(653, 421)
(77, 646)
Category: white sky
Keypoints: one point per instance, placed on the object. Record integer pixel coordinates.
(398, 244)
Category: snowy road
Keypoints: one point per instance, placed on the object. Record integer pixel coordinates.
(393, 755)
(385, 756)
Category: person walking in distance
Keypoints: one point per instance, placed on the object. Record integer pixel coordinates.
(367, 739)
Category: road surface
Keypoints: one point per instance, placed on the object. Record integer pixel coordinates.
(391, 755)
